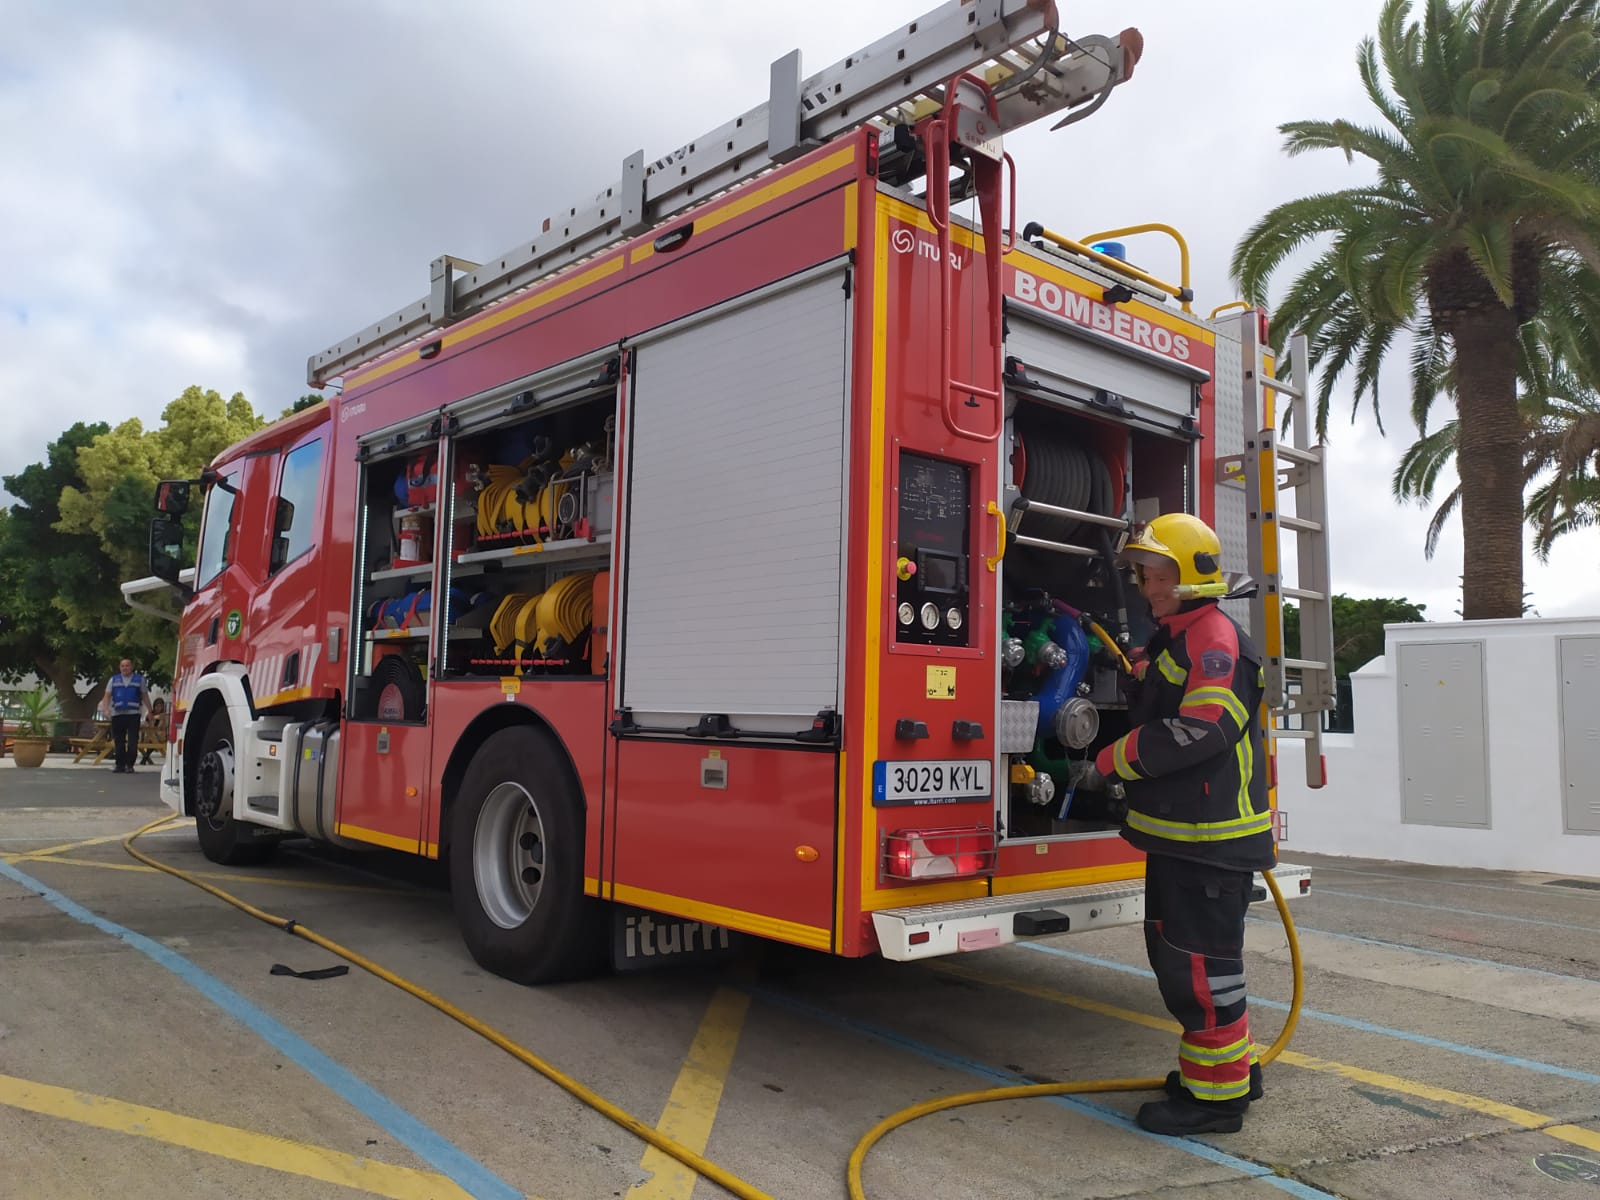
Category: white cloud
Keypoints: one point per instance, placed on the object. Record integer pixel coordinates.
(194, 195)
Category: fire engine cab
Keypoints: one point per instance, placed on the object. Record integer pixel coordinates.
(740, 551)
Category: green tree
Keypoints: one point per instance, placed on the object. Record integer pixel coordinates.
(52, 582)
(1357, 629)
(309, 400)
(110, 501)
(1483, 214)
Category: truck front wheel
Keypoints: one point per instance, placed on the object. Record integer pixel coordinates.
(516, 863)
(223, 839)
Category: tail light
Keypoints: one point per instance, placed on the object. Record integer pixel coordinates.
(939, 853)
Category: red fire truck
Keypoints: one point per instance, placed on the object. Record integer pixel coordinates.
(738, 554)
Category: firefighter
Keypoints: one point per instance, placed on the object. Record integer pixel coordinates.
(1194, 771)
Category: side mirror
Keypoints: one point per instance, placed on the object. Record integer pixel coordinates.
(172, 497)
(166, 551)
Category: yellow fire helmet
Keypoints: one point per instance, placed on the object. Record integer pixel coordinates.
(1186, 542)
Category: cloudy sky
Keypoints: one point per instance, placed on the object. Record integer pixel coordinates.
(206, 194)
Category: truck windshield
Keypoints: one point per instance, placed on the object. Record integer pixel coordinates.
(216, 533)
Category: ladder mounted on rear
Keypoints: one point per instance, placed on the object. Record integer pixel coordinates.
(1272, 468)
(1014, 46)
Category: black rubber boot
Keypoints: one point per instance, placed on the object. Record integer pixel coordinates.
(1181, 1118)
(1177, 1091)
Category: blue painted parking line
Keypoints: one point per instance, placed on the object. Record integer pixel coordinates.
(1459, 912)
(432, 1147)
(1099, 1112)
(1420, 1039)
(1410, 949)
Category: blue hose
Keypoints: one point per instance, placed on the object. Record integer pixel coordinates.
(1062, 683)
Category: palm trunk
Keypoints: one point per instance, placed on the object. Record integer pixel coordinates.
(1489, 456)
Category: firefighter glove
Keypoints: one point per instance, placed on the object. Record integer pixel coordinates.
(1086, 777)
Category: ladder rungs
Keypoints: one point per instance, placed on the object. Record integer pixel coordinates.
(1300, 524)
(1305, 594)
(1304, 735)
(897, 77)
(1296, 455)
(1282, 386)
(1303, 664)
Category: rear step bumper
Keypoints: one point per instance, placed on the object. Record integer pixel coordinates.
(931, 930)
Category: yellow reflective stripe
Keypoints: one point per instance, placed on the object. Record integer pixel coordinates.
(1221, 696)
(1169, 667)
(1119, 759)
(1201, 831)
(1218, 1091)
(1245, 753)
(1208, 1057)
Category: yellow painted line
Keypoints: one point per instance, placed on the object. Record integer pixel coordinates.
(1526, 1118)
(308, 884)
(225, 1141)
(66, 847)
(696, 1094)
(748, 922)
(389, 840)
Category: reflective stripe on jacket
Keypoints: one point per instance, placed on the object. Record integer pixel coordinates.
(1194, 763)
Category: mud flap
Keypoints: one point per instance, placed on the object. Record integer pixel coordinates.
(642, 940)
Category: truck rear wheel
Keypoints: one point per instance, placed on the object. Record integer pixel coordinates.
(516, 864)
(223, 839)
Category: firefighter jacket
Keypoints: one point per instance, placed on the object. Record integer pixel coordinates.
(1193, 763)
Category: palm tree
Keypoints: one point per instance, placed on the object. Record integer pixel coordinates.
(1560, 413)
(1482, 215)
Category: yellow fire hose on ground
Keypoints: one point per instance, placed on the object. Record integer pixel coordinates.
(724, 1179)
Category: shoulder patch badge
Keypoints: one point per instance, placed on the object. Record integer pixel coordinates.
(1215, 663)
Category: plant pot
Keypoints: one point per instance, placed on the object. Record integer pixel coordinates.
(30, 752)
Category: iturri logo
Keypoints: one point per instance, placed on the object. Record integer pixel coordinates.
(904, 241)
(352, 410)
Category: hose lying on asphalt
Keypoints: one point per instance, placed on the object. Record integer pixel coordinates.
(695, 1162)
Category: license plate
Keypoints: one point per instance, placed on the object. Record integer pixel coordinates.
(931, 782)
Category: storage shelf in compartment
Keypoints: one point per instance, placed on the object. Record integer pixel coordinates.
(520, 662)
(466, 509)
(406, 635)
(566, 548)
(416, 572)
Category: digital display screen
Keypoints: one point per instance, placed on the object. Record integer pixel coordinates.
(939, 573)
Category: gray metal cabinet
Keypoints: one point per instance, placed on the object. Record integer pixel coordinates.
(1444, 752)
(1579, 706)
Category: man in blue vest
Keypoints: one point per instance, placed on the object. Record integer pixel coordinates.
(128, 699)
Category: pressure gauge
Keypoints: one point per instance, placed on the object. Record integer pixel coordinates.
(908, 614)
(952, 618)
(930, 617)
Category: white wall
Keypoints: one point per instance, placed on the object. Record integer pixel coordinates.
(1358, 813)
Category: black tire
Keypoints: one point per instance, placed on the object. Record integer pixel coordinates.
(222, 839)
(516, 863)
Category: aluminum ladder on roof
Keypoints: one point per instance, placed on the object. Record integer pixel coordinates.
(1272, 468)
(1013, 44)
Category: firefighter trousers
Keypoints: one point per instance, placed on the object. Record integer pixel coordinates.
(1194, 935)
